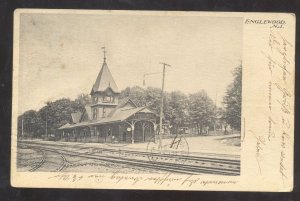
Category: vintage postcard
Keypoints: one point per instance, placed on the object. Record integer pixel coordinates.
(153, 100)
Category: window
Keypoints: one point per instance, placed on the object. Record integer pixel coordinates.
(104, 112)
(95, 99)
(108, 99)
(95, 111)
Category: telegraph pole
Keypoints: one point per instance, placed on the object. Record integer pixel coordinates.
(22, 127)
(46, 123)
(162, 99)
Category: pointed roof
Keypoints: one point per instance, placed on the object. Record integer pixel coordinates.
(67, 125)
(105, 81)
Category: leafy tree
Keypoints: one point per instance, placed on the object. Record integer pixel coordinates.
(32, 124)
(221, 119)
(233, 100)
(201, 110)
(150, 97)
(177, 110)
(58, 113)
(153, 99)
(82, 100)
(136, 94)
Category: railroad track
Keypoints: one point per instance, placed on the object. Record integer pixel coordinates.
(185, 157)
(41, 163)
(218, 158)
(189, 168)
(80, 146)
(63, 164)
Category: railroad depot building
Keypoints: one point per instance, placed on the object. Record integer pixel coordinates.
(108, 119)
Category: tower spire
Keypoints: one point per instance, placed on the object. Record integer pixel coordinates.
(104, 79)
(104, 51)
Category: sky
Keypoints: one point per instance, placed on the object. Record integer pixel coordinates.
(61, 54)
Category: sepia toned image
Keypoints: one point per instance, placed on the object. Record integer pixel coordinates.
(139, 97)
(110, 102)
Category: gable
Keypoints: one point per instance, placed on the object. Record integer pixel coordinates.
(124, 104)
(76, 116)
(146, 110)
(84, 117)
(87, 114)
(127, 102)
(128, 105)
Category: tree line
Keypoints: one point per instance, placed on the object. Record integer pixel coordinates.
(197, 109)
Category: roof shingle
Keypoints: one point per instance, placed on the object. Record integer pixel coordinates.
(105, 81)
(120, 114)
